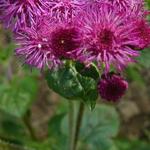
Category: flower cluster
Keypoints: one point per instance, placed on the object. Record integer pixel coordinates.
(105, 32)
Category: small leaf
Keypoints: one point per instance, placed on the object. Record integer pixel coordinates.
(91, 71)
(90, 92)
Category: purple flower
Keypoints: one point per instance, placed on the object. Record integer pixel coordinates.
(16, 13)
(65, 9)
(108, 38)
(125, 5)
(143, 33)
(47, 43)
(142, 27)
(112, 87)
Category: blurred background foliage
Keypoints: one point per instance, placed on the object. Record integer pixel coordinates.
(32, 117)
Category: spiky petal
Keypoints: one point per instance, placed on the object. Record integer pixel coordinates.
(65, 9)
(125, 5)
(18, 13)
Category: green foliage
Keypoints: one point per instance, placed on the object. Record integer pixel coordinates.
(11, 128)
(72, 85)
(98, 128)
(57, 139)
(133, 74)
(144, 58)
(17, 95)
(92, 71)
(130, 145)
(5, 52)
(8, 146)
(148, 3)
(12, 132)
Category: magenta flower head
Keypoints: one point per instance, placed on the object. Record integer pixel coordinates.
(121, 4)
(65, 9)
(47, 43)
(16, 13)
(125, 5)
(112, 87)
(143, 33)
(108, 39)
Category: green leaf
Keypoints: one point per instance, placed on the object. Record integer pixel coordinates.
(12, 129)
(46, 145)
(91, 71)
(90, 93)
(58, 140)
(98, 128)
(65, 83)
(9, 146)
(12, 132)
(130, 145)
(18, 95)
(71, 85)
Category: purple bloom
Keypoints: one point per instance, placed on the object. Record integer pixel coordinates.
(125, 5)
(47, 43)
(65, 9)
(122, 3)
(112, 87)
(142, 27)
(143, 33)
(108, 38)
(16, 13)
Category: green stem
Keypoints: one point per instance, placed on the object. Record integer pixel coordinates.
(71, 124)
(26, 120)
(78, 126)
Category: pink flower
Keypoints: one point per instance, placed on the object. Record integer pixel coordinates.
(65, 9)
(47, 43)
(18, 13)
(125, 5)
(108, 39)
(143, 33)
(112, 87)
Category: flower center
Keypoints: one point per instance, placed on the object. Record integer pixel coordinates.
(64, 40)
(105, 38)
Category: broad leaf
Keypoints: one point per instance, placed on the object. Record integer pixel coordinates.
(57, 139)
(18, 95)
(72, 85)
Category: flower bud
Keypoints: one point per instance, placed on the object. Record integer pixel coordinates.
(112, 87)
